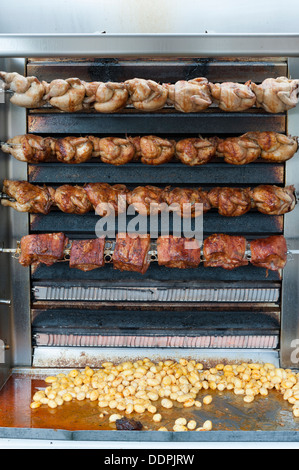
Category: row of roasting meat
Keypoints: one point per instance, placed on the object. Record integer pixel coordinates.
(131, 252)
(275, 95)
(153, 150)
(147, 200)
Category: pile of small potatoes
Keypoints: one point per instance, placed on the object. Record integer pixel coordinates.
(137, 386)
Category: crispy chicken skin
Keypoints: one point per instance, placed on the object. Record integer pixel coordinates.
(238, 150)
(131, 253)
(43, 248)
(273, 200)
(269, 253)
(195, 150)
(106, 198)
(146, 200)
(87, 255)
(28, 197)
(155, 150)
(274, 146)
(28, 92)
(72, 199)
(233, 97)
(73, 149)
(185, 201)
(231, 202)
(30, 148)
(116, 151)
(146, 95)
(177, 252)
(224, 251)
(190, 96)
(276, 95)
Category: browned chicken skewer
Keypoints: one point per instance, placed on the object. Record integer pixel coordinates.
(275, 95)
(153, 150)
(148, 200)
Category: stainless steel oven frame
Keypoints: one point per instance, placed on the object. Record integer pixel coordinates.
(15, 321)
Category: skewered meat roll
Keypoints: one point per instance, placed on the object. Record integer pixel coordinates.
(195, 150)
(107, 199)
(232, 97)
(231, 202)
(131, 253)
(73, 149)
(186, 201)
(273, 200)
(87, 255)
(72, 199)
(146, 199)
(274, 147)
(276, 95)
(146, 95)
(177, 252)
(28, 197)
(155, 150)
(66, 95)
(224, 251)
(269, 253)
(43, 248)
(30, 148)
(28, 92)
(108, 97)
(238, 150)
(190, 96)
(116, 151)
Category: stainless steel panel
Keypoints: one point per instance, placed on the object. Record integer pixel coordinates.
(21, 349)
(144, 45)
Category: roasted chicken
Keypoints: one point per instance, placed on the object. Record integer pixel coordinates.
(72, 199)
(146, 200)
(190, 96)
(233, 97)
(187, 201)
(66, 95)
(225, 251)
(28, 197)
(146, 95)
(73, 149)
(273, 200)
(195, 151)
(269, 253)
(177, 252)
(115, 151)
(107, 97)
(274, 146)
(30, 148)
(131, 253)
(42, 248)
(28, 92)
(155, 150)
(231, 202)
(87, 255)
(238, 150)
(276, 95)
(107, 199)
